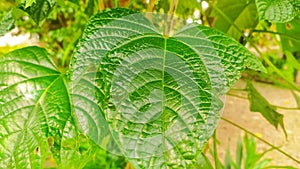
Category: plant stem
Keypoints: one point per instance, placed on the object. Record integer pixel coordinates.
(287, 108)
(264, 141)
(215, 150)
(170, 17)
(241, 97)
(276, 33)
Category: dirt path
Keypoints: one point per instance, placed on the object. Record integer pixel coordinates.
(237, 110)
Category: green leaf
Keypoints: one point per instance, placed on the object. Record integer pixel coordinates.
(234, 16)
(39, 10)
(7, 23)
(277, 10)
(203, 162)
(291, 60)
(92, 7)
(29, 3)
(154, 98)
(35, 112)
(239, 153)
(289, 35)
(259, 104)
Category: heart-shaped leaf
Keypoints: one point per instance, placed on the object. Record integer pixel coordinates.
(151, 97)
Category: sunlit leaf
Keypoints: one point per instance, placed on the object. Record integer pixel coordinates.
(155, 98)
(35, 112)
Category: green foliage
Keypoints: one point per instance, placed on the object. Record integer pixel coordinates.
(6, 24)
(38, 9)
(259, 104)
(247, 157)
(278, 10)
(122, 93)
(37, 100)
(138, 63)
(289, 35)
(234, 16)
(36, 108)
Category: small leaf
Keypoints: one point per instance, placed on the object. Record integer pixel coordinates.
(259, 104)
(7, 23)
(39, 9)
(277, 10)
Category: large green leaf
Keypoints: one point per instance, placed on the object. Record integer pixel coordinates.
(278, 10)
(150, 97)
(35, 113)
(234, 16)
(38, 10)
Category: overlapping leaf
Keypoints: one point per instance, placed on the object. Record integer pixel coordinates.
(234, 16)
(150, 97)
(278, 10)
(7, 23)
(38, 9)
(35, 112)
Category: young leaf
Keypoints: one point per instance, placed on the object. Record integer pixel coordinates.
(35, 112)
(277, 10)
(39, 9)
(259, 104)
(158, 94)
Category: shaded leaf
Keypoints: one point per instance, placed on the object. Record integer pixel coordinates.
(154, 97)
(291, 60)
(277, 10)
(231, 14)
(39, 10)
(289, 35)
(7, 23)
(29, 3)
(259, 104)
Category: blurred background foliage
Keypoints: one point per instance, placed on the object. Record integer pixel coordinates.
(58, 24)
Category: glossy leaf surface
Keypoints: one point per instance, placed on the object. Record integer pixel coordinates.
(151, 97)
(35, 113)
